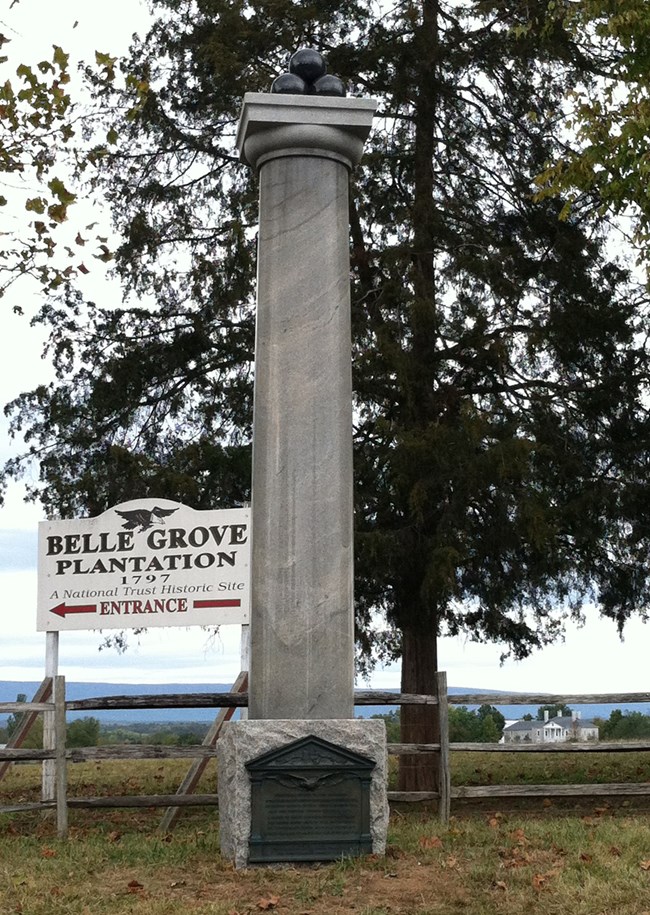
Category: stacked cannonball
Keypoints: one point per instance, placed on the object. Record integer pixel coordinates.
(308, 76)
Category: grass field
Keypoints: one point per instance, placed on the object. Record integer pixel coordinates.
(586, 858)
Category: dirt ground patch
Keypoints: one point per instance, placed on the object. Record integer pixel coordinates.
(403, 887)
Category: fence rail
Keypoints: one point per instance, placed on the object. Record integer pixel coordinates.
(547, 698)
(609, 790)
(214, 700)
(595, 746)
(228, 702)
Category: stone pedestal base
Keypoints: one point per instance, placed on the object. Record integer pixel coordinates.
(242, 741)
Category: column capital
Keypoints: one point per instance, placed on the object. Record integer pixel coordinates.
(275, 126)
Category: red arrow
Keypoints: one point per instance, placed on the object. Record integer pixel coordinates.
(63, 609)
(200, 604)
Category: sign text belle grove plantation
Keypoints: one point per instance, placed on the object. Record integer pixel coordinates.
(150, 562)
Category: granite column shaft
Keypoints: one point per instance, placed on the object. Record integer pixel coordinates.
(302, 619)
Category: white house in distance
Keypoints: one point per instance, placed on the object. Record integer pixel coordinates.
(555, 730)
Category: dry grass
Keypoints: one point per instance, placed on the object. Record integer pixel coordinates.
(591, 861)
(546, 768)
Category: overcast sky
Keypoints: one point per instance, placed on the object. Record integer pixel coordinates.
(591, 660)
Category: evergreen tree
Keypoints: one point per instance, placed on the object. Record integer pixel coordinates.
(463, 725)
(83, 732)
(490, 732)
(625, 726)
(499, 362)
(493, 722)
(482, 726)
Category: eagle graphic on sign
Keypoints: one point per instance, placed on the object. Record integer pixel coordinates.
(143, 518)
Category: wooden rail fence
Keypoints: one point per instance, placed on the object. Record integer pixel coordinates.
(51, 698)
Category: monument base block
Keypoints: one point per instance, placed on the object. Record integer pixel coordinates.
(302, 790)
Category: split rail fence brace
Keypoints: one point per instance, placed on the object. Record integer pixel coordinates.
(53, 700)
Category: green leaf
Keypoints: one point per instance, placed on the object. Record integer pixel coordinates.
(25, 72)
(35, 205)
(105, 255)
(107, 62)
(59, 190)
(60, 58)
(58, 212)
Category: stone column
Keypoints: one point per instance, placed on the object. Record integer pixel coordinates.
(302, 638)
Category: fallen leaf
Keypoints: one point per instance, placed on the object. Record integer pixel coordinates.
(114, 836)
(269, 903)
(586, 858)
(547, 802)
(48, 852)
(519, 859)
(134, 886)
(538, 881)
(500, 885)
(645, 865)
(493, 823)
(430, 842)
(616, 851)
(177, 883)
(392, 851)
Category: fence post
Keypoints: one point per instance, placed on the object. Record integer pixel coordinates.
(444, 775)
(48, 791)
(60, 763)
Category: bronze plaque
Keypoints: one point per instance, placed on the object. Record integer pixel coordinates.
(310, 801)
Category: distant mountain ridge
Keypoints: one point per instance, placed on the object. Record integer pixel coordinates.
(10, 689)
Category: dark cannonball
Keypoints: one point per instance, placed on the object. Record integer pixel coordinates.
(329, 85)
(289, 84)
(308, 64)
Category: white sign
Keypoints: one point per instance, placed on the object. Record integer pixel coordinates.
(150, 562)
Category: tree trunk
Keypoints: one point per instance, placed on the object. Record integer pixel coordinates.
(419, 642)
(419, 724)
